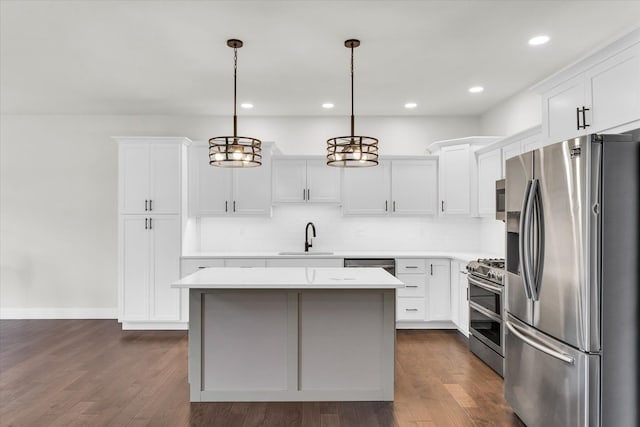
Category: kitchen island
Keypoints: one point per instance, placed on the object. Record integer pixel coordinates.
(291, 334)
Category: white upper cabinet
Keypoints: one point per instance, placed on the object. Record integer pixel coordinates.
(615, 90)
(305, 181)
(455, 176)
(599, 93)
(561, 107)
(323, 182)
(395, 187)
(489, 171)
(150, 175)
(367, 190)
(228, 191)
(413, 187)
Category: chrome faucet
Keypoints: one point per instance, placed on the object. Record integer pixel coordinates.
(307, 244)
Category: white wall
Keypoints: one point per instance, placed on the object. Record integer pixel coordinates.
(58, 192)
(516, 114)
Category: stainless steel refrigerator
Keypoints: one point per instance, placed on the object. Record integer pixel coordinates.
(572, 302)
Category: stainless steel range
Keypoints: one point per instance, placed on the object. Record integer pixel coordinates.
(486, 303)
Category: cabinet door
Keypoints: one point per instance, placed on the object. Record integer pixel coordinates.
(135, 268)
(489, 171)
(209, 186)
(413, 187)
(454, 180)
(455, 293)
(166, 178)
(509, 151)
(366, 191)
(289, 181)
(559, 110)
(323, 183)
(615, 90)
(463, 302)
(165, 267)
(134, 178)
(252, 190)
(438, 289)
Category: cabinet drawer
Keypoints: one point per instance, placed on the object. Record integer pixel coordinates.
(415, 285)
(245, 262)
(410, 266)
(410, 309)
(191, 265)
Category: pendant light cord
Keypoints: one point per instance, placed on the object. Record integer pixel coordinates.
(235, 101)
(352, 119)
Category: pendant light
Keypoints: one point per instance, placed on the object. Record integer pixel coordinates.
(352, 151)
(235, 151)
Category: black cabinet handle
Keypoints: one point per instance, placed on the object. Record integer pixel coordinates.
(146, 223)
(386, 205)
(431, 265)
(234, 205)
(146, 205)
(442, 206)
(410, 309)
(304, 194)
(150, 205)
(394, 205)
(411, 286)
(308, 194)
(226, 206)
(150, 223)
(582, 111)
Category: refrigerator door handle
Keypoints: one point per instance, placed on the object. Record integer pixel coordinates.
(539, 346)
(524, 245)
(539, 261)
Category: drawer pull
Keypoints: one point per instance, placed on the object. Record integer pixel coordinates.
(411, 286)
(411, 266)
(410, 309)
(200, 268)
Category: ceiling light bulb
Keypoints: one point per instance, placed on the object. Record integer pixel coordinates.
(218, 156)
(410, 105)
(538, 40)
(247, 105)
(476, 89)
(328, 105)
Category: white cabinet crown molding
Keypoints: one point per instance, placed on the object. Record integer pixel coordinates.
(508, 140)
(476, 142)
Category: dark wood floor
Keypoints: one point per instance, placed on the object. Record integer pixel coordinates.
(90, 372)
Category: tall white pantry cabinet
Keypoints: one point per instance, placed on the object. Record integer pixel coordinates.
(151, 198)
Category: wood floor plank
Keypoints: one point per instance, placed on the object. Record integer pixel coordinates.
(91, 373)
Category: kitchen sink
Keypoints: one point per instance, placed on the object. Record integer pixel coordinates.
(305, 253)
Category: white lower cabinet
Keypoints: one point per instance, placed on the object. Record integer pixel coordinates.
(459, 301)
(150, 260)
(438, 290)
(305, 262)
(425, 301)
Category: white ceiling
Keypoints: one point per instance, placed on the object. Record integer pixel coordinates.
(170, 57)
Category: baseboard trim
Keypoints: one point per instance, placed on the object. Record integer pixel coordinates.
(154, 326)
(403, 324)
(58, 313)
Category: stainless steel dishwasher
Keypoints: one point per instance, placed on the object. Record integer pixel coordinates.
(389, 264)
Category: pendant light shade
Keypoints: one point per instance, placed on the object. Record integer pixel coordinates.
(352, 151)
(235, 151)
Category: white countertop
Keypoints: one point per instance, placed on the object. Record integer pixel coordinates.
(462, 256)
(289, 278)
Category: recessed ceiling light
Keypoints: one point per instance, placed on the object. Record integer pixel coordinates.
(476, 89)
(410, 105)
(328, 105)
(246, 105)
(538, 40)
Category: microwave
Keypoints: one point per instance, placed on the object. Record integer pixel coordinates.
(500, 200)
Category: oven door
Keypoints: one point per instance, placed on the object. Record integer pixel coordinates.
(486, 327)
(485, 313)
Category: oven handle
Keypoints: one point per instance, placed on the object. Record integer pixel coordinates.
(480, 309)
(488, 287)
(539, 346)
